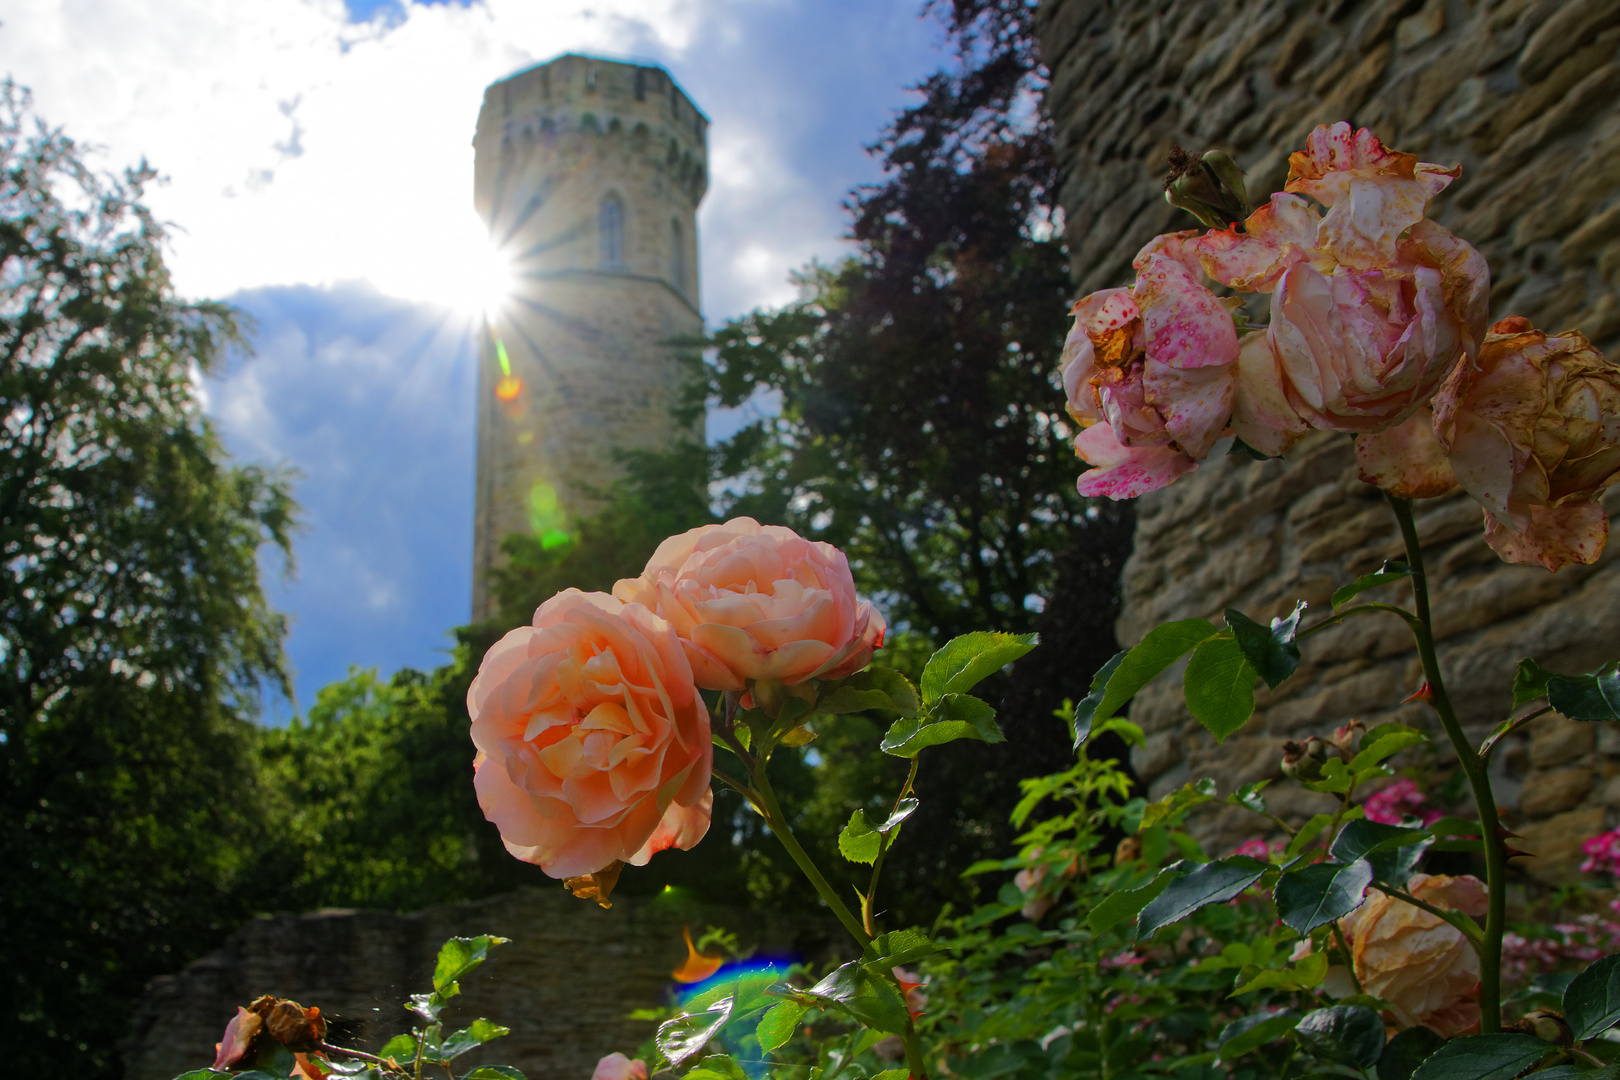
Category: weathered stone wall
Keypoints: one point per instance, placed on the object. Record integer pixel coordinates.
(566, 985)
(1526, 95)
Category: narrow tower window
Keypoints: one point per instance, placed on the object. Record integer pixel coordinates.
(677, 256)
(611, 227)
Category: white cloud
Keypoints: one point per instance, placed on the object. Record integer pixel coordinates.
(303, 148)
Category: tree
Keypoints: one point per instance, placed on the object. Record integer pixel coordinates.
(134, 637)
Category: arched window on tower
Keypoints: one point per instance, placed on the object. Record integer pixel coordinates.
(610, 226)
(677, 256)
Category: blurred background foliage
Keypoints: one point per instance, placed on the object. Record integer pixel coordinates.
(915, 421)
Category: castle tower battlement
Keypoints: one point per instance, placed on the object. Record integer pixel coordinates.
(588, 173)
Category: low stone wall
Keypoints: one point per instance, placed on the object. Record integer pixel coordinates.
(566, 985)
(1525, 94)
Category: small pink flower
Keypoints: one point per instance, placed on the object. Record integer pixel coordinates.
(1602, 854)
(1398, 801)
(619, 1067)
(1254, 849)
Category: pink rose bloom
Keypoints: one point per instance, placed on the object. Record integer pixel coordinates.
(1149, 373)
(1417, 962)
(1371, 304)
(1532, 429)
(1602, 853)
(593, 744)
(619, 1067)
(1394, 803)
(754, 602)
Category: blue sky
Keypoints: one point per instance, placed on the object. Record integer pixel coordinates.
(318, 175)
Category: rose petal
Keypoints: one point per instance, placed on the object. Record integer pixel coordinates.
(1124, 472)
(1406, 460)
(1556, 536)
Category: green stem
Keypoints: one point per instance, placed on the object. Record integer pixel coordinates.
(883, 849)
(778, 825)
(1490, 959)
(1349, 957)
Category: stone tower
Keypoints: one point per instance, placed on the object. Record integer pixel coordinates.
(588, 173)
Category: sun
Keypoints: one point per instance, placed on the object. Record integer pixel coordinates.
(471, 276)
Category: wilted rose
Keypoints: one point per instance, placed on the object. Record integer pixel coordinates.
(1418, 963)
(1532, 429)
(758, 603)
(1149, 373)
(1371, 304)
(593, 744)
(619, 1067)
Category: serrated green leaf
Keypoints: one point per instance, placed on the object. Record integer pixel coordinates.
(1271, 651)
(1393, 570)
(684, 1037)
(1252, 1032)
(1183, 798)
(966, 661)
(1307, 973)
(717, 1067)
(1350, 1035)
(1162, 646)
(1392, 850)
(400, 1047)
(776, 1027)
(1335, 778)
(1248, 796)
(952, 717)
(892, 1074)
(1483, 1057)
(1119, 907)
(1406, 1051)
(1318, 894)
(458, 957)
(870, 998)
(1212, 883)
(1219, 686)
(858, 841)
(1087, 709)
(898, 948)
(1586, 697)
(880, 688)
(1592, 1000)
(473, 1036)
(1529, 682)
(1387, 747)
(1577, 1072)
(494, 1072)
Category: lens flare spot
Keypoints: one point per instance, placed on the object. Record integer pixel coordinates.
(508, 388)
(697, 967)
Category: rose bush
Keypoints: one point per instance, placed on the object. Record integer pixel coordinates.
(593, 743)
(758, 603)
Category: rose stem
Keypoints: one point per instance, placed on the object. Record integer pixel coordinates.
(1479, 781)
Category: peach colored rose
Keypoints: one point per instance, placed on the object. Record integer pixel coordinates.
(755, 602)
(1532, 428)
(619, 1067)
(1149, 373)
(1371, 304)
(1417, 962)
(593, 744)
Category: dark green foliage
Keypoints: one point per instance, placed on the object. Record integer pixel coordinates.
(133, 633)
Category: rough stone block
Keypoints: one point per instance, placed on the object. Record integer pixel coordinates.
(1554, 791)
(1556, 844)
(1556, 741)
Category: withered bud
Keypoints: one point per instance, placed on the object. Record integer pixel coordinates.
(300, 1029)
(1344, 738)
(1544, 1024)
(597, 886)
(1304, 760)
(1128, 851)
(1211, 187)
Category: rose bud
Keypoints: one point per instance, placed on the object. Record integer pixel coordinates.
(1344, 738)
(1304, 760)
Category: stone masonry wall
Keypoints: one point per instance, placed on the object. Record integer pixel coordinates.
(1526, 95)
(566, 984)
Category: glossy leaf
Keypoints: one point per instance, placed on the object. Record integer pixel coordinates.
(1183, 798)
(1529, 682)
(1317, 895)
(869, 997)
(1592, 1000)
(1119, 907)
(1212, 883)
(1307, 973)
(1392, 743)
(684, 1037)
(494, 1072)
(1483, 1057)
(400, 1047)
(1393, 570)
(458, 957)
(1248, 796)
(1586, 697)
(776, 1027)
(474, 1035)
(1252, 1032)
(717, 1067)
(966, 661)
(880, 688)
(1086, 710)
(1578, 1072)
(1219, 687)
(1392, 850)
(1406, 1051)
(898, 948)
(1162, 646)
(1350, 1035)
(1271, 651)
(952, 717)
